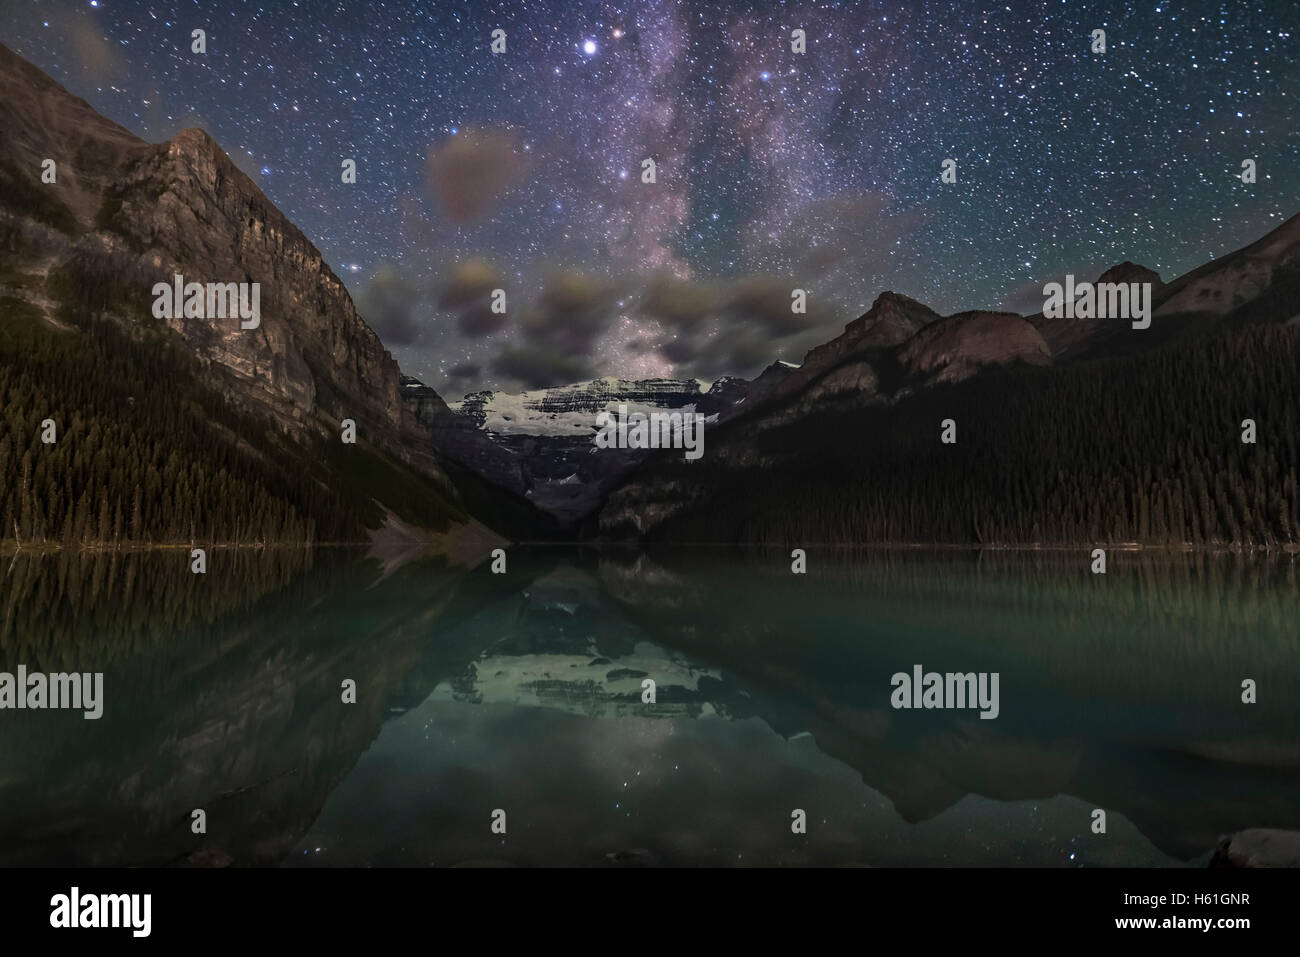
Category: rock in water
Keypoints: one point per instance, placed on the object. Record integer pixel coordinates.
(1258, 847)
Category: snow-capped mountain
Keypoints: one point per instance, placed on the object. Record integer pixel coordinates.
(540, 443)
(571, 409)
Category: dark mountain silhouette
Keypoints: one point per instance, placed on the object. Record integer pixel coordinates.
(1068, 431)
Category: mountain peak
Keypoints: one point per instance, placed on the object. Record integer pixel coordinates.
(905, 314)
(1131, 272)
(892, 319)
(195, 141)
(184, 207)
(957, 347)
(889, 297)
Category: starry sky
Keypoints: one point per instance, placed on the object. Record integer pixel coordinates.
(776, 170)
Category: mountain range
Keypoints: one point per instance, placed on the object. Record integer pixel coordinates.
(188, 430)
(1065, 431)
(539, 444)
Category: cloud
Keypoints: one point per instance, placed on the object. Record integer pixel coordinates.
(464, 370)
(572, 312)
(574, 292)
(388, 304)
(466, 282)
(99, 58)
(559, 331)
(675, 302)
(736, 350)
(736, 327)
(467, 292)
(739, 326)
(470, 173)
(766, 303)
(538, 368)
(680, 349)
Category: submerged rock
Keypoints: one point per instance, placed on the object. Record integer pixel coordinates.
(1258, 847)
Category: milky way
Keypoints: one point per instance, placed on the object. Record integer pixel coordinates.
(775, 169)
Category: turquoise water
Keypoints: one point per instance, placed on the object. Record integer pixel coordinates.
(522, 693)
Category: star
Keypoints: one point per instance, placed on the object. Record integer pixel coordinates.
(771, 166)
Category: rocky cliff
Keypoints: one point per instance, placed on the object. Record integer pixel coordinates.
(956, 348)
(85, 241)
(145, 213)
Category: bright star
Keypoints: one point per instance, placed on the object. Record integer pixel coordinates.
(589, 47)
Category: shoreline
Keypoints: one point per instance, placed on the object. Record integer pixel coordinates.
(10, 546)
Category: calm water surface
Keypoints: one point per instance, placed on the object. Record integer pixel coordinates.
(523, 692)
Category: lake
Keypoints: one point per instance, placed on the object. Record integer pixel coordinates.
(518, 700)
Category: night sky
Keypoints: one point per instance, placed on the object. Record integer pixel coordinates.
(776, 170)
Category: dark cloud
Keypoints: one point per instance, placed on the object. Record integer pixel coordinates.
(464, 370)
(736, 328)
(467, 292)
(559, 331)
(743, 353)
(467, 282)
(469, 173)
(576, 293)
(537, 368)
(680, 349)
(479, 320)
(572, 312)
(674, 302)
(388, 303)
(767, 303)
(736, 350)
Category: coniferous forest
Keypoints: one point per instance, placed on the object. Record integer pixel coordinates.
(146, 452)
(1144, 448)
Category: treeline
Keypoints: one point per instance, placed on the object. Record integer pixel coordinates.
(1145, 448)
(145, 452)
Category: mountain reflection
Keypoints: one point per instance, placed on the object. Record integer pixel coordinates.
(524, 692)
